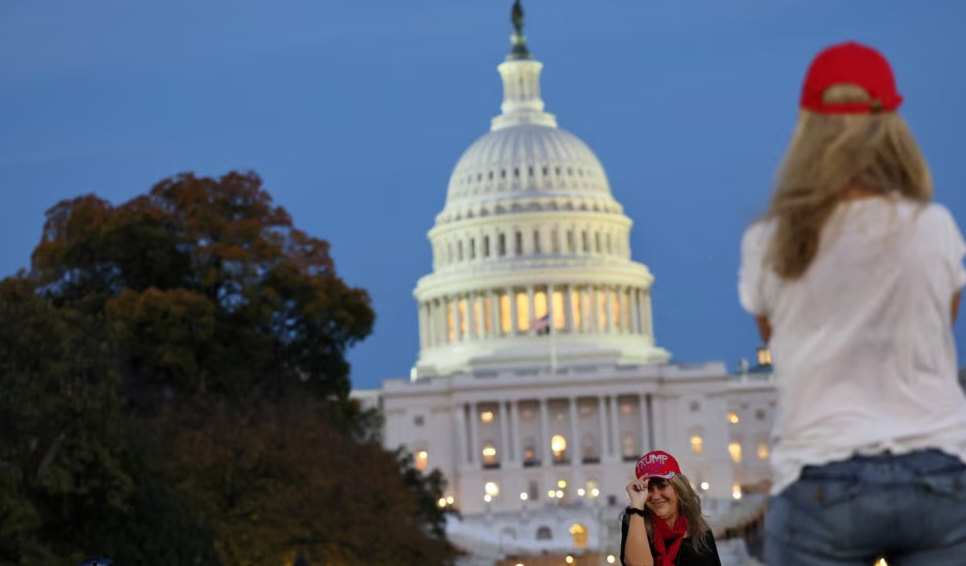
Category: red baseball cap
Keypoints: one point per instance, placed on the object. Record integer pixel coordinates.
(851, 63)
(656, 464)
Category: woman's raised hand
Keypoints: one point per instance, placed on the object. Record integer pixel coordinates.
(637, 491)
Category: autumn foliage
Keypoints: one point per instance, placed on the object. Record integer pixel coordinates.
(174, 390)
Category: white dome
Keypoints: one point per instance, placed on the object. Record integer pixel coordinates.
(527, 158)
(531, 241)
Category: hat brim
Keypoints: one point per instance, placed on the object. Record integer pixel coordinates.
(666, 476)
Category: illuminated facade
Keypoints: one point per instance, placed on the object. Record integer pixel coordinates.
(539, 382)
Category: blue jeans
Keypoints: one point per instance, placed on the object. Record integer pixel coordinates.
(909, 509)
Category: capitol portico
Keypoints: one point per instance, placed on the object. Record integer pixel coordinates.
(539, 381)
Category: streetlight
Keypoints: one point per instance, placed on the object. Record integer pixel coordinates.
(570, 560)
(581, 492)
(487, 498)
(594, 492)
(610, 559)
(524, 496)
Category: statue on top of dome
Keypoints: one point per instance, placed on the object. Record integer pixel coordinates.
(519, 40)
(516, 16)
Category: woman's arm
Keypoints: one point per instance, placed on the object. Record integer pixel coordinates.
(764, 328)
(636, 549)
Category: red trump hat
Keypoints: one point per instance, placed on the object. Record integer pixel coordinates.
(856, 64)
(656, 464)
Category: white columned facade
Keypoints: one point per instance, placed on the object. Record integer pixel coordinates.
(604, 437)
(504, 456)
(516, 437)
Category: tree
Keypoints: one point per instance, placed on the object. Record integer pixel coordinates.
(209, 288)
(285, 480)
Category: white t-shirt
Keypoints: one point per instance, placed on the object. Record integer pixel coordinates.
(862, 344)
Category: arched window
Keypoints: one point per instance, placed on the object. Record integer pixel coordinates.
(544, 533)
(530, 452)
(589, 450)
(558, 445)
(579, 534)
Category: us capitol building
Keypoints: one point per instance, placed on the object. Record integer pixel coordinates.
(539, 382)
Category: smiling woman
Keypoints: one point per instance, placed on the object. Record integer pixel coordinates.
(663, 526)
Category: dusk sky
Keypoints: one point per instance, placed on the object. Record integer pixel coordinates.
(354, 114)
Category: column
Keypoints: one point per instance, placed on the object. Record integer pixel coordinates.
(504, 453)
(513, 311)
(645, 444)
(636, 310)
(550, 308)
(423, 326)
(574, 445)
(494, 314)
(455, 307)
(515, 426)
(647, 323)
(462, 450)
(594, 310)
(471, 317)
(474, 435)
(604, 437)
(615, 437)
(609, 310)
(568, 305)
(530, 306)
(546, 455)
(619, 322)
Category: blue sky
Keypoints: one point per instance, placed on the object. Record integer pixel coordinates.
(354, 113)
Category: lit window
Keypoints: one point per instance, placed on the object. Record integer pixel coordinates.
(559, 315)
(462, 314)
(523, 312)
(486, 416)
(762, 450)
(697, 444)
(558, 444)
(579, 534)
(764, 356)
(733, 417)
(575, 304)
(539, 304)
(736, 491)
(489, 455)
(735, 450)
(422, 460)
(506, 322)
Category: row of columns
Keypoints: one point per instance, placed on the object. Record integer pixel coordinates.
(510, 452)
(485, 315)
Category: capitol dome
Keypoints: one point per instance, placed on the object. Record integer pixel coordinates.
(531, 256)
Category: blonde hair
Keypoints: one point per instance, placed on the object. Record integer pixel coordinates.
(689, 505)
(830, 154)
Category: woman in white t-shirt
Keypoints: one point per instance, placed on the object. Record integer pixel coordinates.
(854, 277)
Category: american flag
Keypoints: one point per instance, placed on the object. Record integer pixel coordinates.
(541, 325)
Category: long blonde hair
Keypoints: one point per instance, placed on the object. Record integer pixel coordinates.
(828, 155)
(689, 505)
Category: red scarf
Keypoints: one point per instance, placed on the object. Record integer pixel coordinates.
(667, 556)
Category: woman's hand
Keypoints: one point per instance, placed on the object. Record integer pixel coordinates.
(637, 491)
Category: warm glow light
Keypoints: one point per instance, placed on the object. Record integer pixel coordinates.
(733, 417)
(558, 443)
(594, 492)
(735, 450)
(881, 562)
(736, 491)
(487, 498)
(705, 486)
(559, 494)
(611, 559)
(450, 500)
(569, 559)
(491, 489)
(524, 496)
(442, 502)
(422, 459)
(551, 494)
(489, 452)
(562, 484)
(581, 492)
(763, 451)
(486, 416)
(697, 444)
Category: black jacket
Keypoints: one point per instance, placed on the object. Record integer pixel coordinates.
(687, 555)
